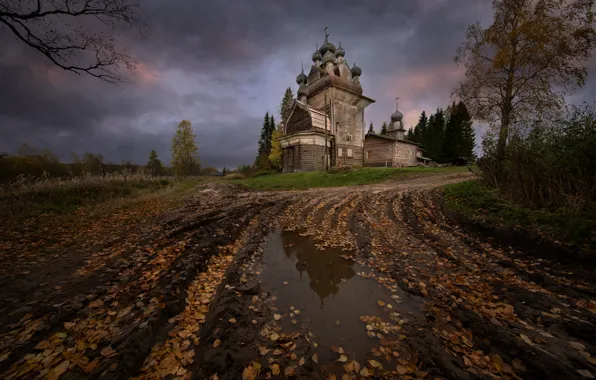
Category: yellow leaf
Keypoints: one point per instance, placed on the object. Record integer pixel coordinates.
(374, 364)
(275, 369)
(352, 366)
(289, 371)
(402, 370)
(526, 339)
(301, 361)
(61, 368)
(365, 372)
(216, 343)
(381, 303)
(342, 358)
(274, 336)
(249, 373)
(277, 317)
(585, 373)
(232, 320)
(315, 358)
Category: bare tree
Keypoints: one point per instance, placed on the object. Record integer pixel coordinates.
(75, 35)
(526, 61)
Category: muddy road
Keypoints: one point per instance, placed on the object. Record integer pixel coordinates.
(372, 281)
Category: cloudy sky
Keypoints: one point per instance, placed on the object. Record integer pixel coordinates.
(223, 64)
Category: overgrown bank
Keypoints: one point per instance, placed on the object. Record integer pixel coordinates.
(488, 207)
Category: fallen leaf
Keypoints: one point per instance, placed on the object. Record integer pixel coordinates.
(352, 366)
(61, 368)
(342, 358)
(275, 369)
(381, 303)
(374, 364)
(401, 370)
(577, 345)
(365, 372)
(585, 373)
(249, 373)
(108, 351)
(526, 339)
(369, 328)
(467, 361)
(216, 343)
(232, 320)
(290, 370)
(263, 350)
(277, 317)
(274, 336)
(315, 358)
(301, 361)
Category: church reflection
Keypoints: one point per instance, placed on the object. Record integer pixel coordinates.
(325, 269)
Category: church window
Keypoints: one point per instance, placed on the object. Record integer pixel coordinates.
(340, 152)
(350, 153)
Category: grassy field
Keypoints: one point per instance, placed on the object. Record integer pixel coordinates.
(27, 199)
(476, 201)
(305, 180)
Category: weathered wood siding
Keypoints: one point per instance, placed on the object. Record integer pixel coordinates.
(380, 151)
(304, 157)
(404, 154)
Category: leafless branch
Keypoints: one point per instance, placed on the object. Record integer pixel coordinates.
(70, 33)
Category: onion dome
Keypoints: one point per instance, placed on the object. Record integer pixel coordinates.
(340, 52)
(396, 116)
(317, 56)
(301, 78)
(327, 46)
(356, 71)
(328, 57)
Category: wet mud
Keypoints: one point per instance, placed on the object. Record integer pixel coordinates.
(375, 281)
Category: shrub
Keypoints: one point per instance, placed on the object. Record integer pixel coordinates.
(548, 165)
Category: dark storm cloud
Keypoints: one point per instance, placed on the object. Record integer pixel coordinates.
(223, 64)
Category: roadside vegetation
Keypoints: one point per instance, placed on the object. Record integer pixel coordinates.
(362, 176)
(480, 203)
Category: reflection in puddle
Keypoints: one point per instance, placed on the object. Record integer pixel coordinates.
(324, 288)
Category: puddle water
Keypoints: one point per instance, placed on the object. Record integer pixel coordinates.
(326, 289)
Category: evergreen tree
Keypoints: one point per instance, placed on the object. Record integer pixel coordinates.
(410, 134)
(154, 164)
(264, 149)
(459, 138)
(285, 106)
(468, 136)
(185, 159)
(435, 135)
(371, 129)
(420, 128)
(384, 128)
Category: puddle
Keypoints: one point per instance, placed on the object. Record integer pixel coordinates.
(329, 294)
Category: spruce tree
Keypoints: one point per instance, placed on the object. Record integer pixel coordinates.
(468, 136)
(384, 128)
(371, 129)
(285, 106)
(154, 164)
(264, 149)
(410, 135)
(435, 136)
(420, 128)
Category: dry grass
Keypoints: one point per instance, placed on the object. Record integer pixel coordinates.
(29, 197)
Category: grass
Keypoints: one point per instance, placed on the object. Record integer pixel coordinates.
(473, 199)
(33, 198)
(363, 176)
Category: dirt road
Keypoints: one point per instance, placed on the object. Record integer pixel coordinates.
(371, 281)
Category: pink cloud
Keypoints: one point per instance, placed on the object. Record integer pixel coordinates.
(146, 73)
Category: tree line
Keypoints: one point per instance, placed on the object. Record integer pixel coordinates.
(31, 162)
